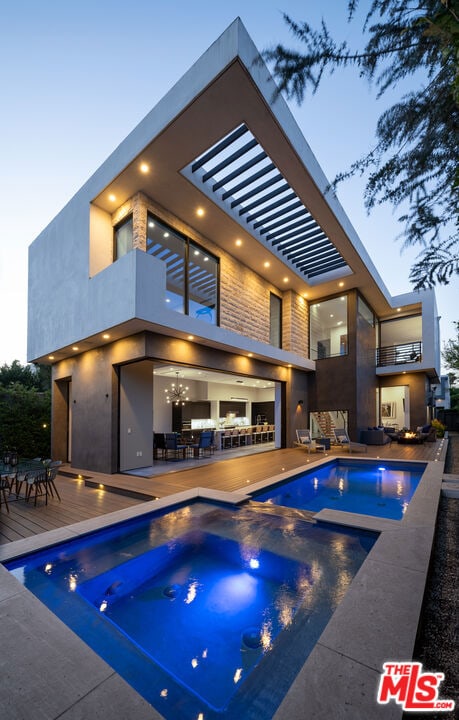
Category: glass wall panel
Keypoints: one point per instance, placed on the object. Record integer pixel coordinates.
(328, 328)
(323, 423)
(401, 341)
(123, 238)
(365, 312)
(202, 284)
(170, 247)
(404, 330)
(275, 320)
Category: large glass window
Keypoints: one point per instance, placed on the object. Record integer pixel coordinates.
(275, 320)
(191, 272)
(328, 328)
(323, 423)
(170, 247)
(401, 341)
(202, 284)
(365, 312)
(123, 238)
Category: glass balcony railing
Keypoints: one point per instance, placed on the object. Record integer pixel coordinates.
(399, 354)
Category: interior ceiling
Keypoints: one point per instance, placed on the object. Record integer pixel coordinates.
(189, 373)
(406, 330)
(232, 100)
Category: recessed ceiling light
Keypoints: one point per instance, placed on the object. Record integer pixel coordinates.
(285, 279)
(250, 355)
(50, 357)
(190, 337)
(200, 212)
(112, 197)
(196, 252)
(340, 284)
(166, 234)
(238, 242)
(399, 309)
(75, 347)
(106, 336)
(144, 167)
(151, 224)
(266, 264)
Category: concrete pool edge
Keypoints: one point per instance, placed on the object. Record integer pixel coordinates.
(378, 618)
(376, 622)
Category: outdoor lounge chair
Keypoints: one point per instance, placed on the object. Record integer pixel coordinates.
(304, 440)
(342, 439)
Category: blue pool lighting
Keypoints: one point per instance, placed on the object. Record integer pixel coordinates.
(357, 486)
(200, 607)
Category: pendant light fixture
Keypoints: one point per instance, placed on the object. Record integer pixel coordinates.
(177, 394)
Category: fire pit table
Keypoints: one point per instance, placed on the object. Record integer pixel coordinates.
(410, 438)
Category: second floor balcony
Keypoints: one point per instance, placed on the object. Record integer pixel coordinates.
(406, 353)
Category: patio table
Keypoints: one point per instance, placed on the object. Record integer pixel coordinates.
(23, 465)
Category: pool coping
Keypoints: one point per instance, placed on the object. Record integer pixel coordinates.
(376, 622)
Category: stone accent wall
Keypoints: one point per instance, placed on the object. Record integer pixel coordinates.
(244, 300)
(295, 323)
(139, 222)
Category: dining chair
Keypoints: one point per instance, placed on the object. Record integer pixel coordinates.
(36, 482)
(174, 450)
(51, 473)
(4, 486)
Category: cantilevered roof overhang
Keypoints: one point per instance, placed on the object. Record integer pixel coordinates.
(224, 140)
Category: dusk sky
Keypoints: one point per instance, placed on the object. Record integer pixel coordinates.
(76, 78)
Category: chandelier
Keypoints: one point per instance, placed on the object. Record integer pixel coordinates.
(177, 393)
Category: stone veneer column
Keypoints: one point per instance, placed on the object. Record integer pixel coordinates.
(295, 314)
(139, 222)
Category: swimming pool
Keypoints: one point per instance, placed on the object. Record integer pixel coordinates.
(381, 489)
(198, 608)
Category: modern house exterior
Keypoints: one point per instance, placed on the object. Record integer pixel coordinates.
(207, 250)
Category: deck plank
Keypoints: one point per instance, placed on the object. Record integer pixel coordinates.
(79, 502)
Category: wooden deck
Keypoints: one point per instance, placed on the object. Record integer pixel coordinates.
(79, 501)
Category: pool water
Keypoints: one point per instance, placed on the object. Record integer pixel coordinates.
(200, 607)
(381, 489)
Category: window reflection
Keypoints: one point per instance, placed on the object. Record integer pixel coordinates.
(169, 247)
(191, 272)
(123, 238)
(202, 284)
(328, 328)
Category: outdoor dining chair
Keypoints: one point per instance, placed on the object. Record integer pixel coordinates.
(4, 486)
(36, 483)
